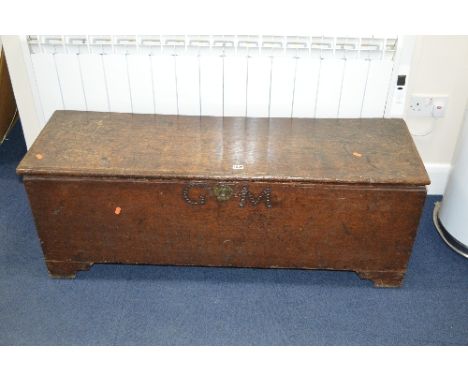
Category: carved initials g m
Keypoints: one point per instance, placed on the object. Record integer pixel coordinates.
(245, 195)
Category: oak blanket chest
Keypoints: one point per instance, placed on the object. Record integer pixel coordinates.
(338, 194)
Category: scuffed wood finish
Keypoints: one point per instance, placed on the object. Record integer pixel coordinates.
(66, 269)
(365, 229)
(143, 189)
(277, 149)
(383, 278)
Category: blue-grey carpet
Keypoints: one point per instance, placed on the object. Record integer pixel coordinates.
(151, 305)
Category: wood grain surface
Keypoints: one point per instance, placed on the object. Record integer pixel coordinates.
(377, 151)
(140, 189)
(148, 222)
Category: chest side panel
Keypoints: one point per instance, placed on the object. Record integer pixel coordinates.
(245, 224)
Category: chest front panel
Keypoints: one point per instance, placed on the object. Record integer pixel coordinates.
(253, 224)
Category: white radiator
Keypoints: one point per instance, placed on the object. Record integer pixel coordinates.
(258, 76)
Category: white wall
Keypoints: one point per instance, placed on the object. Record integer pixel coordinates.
(25, 91)
(439, 67)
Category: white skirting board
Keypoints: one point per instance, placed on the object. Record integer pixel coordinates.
(438, 173)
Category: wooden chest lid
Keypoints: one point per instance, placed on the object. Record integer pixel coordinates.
(377, 151)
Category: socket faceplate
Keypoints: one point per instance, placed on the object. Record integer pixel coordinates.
(423, 105)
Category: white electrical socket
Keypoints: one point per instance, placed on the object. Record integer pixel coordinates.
(427, 106)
